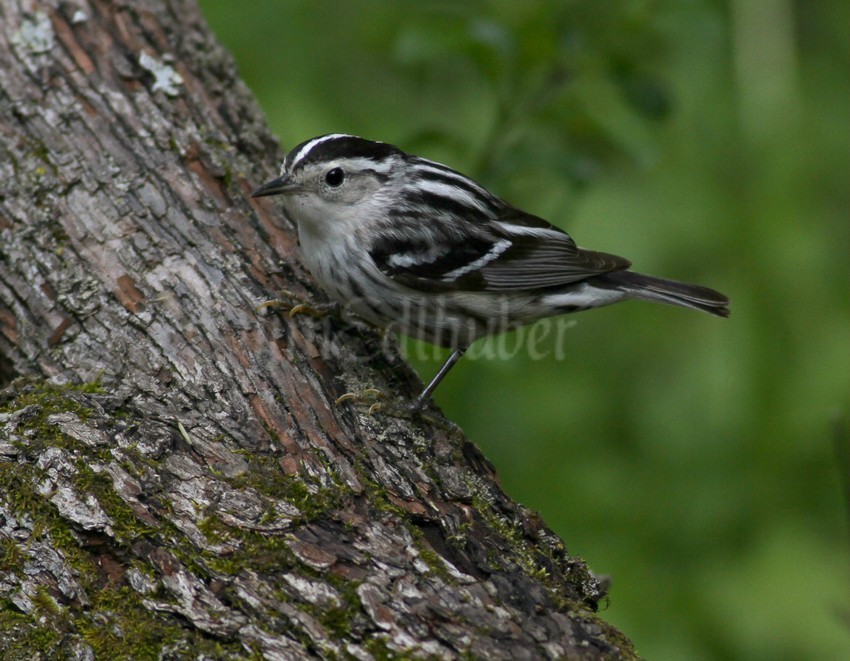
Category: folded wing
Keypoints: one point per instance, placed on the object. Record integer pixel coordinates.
(515, 252)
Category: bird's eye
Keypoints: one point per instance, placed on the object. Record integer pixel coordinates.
(335, 177)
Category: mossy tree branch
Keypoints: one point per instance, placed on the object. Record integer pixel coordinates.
(174, 476)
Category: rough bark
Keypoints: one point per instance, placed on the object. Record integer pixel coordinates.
(175, 479)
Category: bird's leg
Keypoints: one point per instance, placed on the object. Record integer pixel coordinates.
(371, 396)
(297, 304)
(455, 356)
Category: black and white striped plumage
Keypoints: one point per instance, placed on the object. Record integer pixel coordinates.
(411, 244)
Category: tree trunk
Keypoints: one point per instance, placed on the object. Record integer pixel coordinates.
(175, 477)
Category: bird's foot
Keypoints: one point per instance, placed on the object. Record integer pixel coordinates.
(370, 397)
(377, 404)
(296, 304)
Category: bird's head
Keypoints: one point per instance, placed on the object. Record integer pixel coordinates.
(336, 180)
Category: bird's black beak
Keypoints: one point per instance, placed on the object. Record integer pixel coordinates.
(283, 184)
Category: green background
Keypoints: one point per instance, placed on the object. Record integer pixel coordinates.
(695, 460)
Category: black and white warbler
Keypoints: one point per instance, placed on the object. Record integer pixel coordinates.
(413, 245)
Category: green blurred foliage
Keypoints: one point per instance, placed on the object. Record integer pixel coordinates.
(691, 458)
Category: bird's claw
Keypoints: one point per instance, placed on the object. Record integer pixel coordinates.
(314, 310)
(366, 396)
(297, 304)
(415, 410)
(376, 402)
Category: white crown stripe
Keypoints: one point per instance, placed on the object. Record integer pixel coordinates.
(316, 141)
(363, 163)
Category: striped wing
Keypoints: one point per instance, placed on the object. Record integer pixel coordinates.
(515, 252)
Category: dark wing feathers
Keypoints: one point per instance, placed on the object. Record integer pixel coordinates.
(514, 252)
(535, 262)
(418, 262)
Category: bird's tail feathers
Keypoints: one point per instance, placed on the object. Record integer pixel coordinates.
(661, 290)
